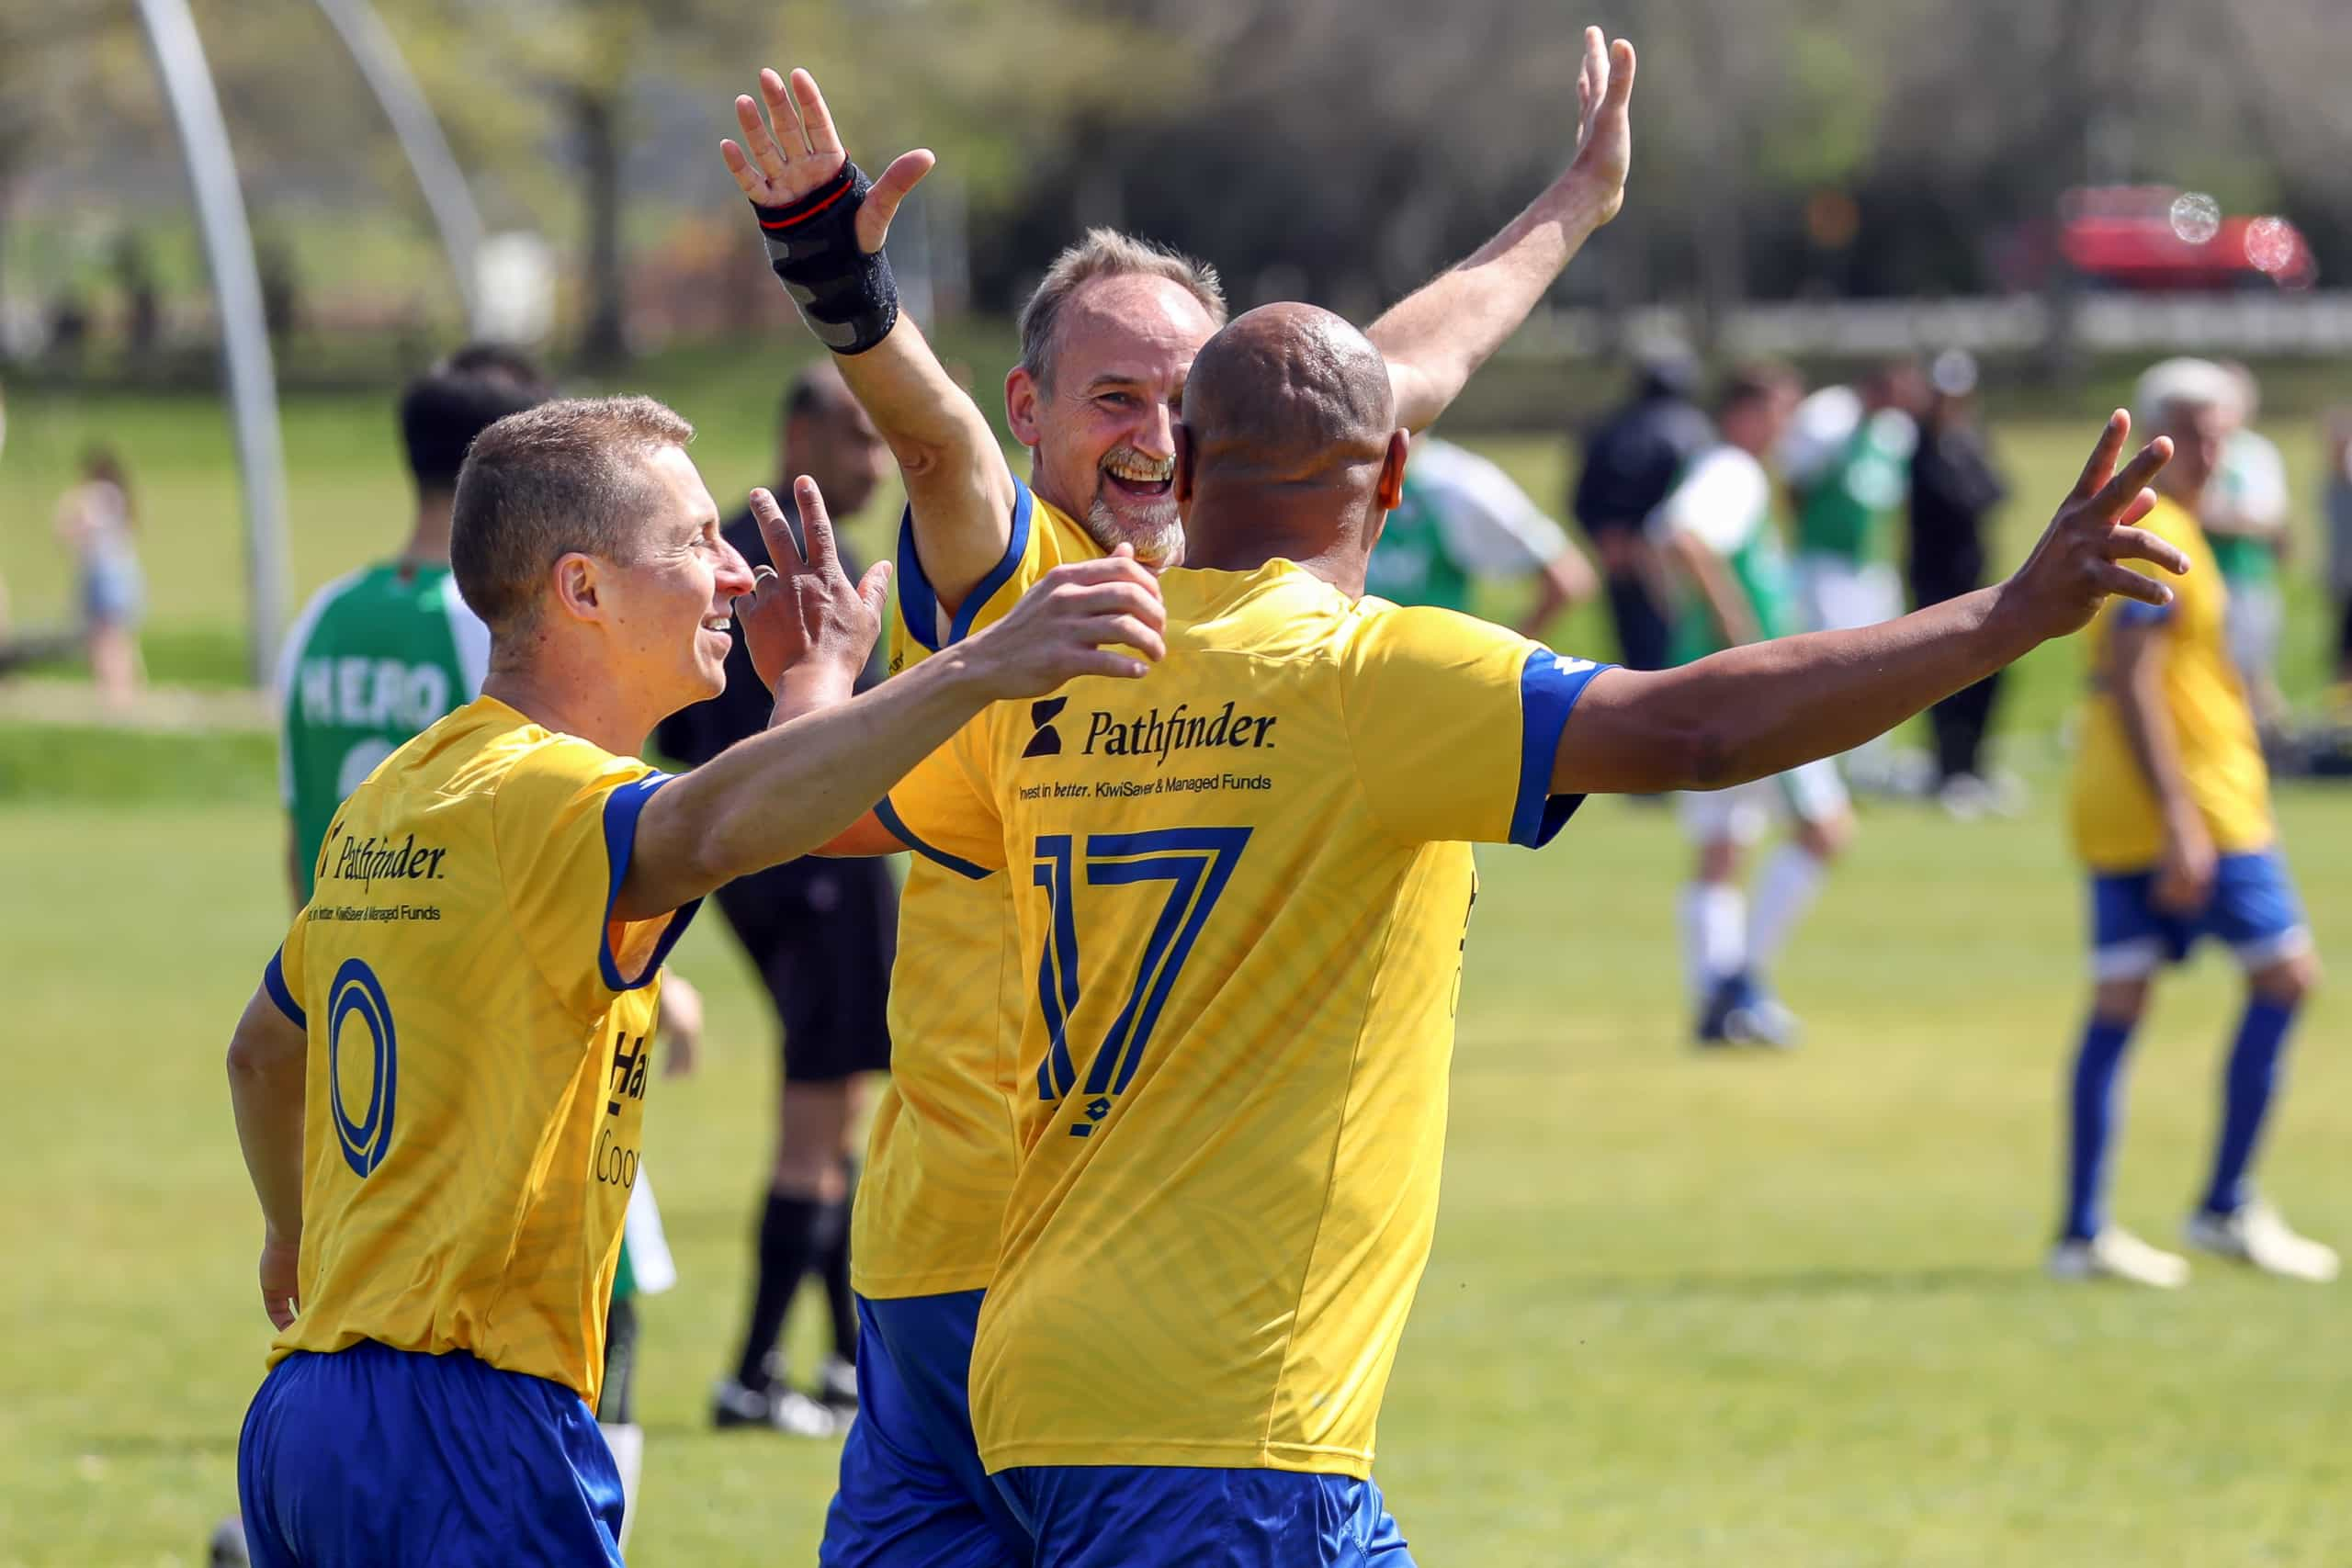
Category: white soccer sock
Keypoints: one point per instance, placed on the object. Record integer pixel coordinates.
(627, 1444)
(1786, 889)
(1715, 934)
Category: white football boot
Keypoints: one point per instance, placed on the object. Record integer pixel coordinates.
(2116, 1254)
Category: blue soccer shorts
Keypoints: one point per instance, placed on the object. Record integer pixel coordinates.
(1169, 1516)
(370, 1455)
(912, 1489)
(2253, 909)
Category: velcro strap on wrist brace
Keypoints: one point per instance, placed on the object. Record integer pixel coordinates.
(848, 297)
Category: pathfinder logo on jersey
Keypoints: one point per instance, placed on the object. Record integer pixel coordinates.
(1047, 741)
(365, 860)
(1181, 730)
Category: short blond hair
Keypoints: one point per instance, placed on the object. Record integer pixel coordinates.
(1106, 253)
(565, 476)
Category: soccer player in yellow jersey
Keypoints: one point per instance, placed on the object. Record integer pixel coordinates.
(1105, 344)
(2172, 819)
(439, 1083)
(1242, 888)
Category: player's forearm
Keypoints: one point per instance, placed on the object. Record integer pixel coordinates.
(788, 791)
(958, 490)
(1750, 712)
(1795, 700)
(268, 1058)
(2137, 685)
(1436, 338)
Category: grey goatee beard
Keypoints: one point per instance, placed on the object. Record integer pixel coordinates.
(1159, 541)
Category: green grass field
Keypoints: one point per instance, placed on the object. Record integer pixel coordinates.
(1681, 1310)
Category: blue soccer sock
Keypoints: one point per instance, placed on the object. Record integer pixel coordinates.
(2093, 1122)
(2253, 1076)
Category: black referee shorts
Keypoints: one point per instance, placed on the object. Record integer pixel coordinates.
(822, 934)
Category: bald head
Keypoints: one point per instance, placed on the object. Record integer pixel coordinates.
(1290, 444)
(1288, 394)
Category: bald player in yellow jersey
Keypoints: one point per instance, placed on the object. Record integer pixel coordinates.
(1106, 341)
(439, 1084)
(1242, 887)
(2172, 820)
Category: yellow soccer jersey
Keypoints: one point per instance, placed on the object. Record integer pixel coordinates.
(939, 1159)
(2118, 826)
(478, 1036)
(1242, 884)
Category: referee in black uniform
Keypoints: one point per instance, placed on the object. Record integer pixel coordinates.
(821, 934)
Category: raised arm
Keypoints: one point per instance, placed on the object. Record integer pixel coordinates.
(825, 230)
(1750, 712)
(782, 793)
(1437, 337)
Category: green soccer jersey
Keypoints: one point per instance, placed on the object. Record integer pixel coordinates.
(1460, 518)
(375, 657)
(1866, 478)
(1725, 500)
(2252, 483)
(1412, 565)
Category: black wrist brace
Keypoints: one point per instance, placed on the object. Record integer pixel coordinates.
(848, 297)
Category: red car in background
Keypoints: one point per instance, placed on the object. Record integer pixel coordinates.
(2158, 238)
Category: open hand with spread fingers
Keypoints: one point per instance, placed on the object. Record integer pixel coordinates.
(804, 618)
(776, 168)
(2079, 562)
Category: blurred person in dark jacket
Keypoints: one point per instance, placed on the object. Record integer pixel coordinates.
(1632, 462)
(1954, 487)
(821, 933)
(2339, 545)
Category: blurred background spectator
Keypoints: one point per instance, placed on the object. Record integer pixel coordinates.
(2339, 550)
(1463, 521)
(1954, 488)
(1632, 461)
(95, 520)
(2245, 521)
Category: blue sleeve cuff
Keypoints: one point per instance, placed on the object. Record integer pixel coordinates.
(1549, 686)
(888, 816)
(2133, 613)
(622, 808)
(273, 980)
(919, 601)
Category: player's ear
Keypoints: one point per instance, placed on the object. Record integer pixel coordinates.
(576, 584)
(1021, 397)
(1183, 465)
(1392, 472)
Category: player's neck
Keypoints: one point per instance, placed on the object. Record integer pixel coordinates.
(428, 538)
(1302, 533)
(569, 700)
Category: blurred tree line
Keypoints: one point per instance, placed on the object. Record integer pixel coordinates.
(1341, 148)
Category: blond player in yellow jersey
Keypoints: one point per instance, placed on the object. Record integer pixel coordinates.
(2172, 819)
(439, 1084)
(1105, 344)
(1242, 889)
